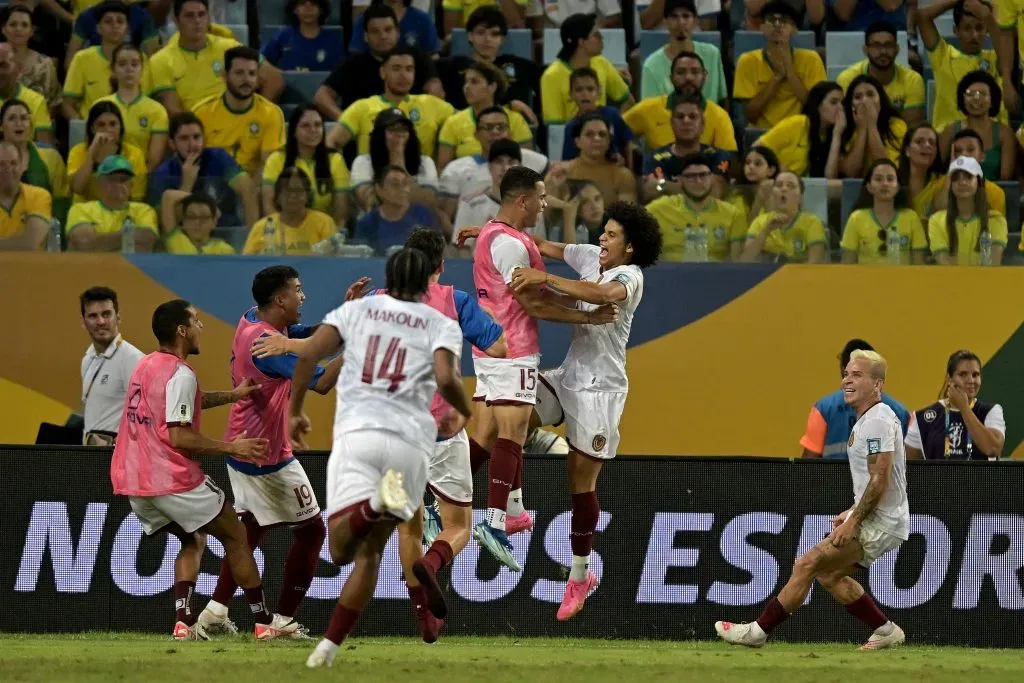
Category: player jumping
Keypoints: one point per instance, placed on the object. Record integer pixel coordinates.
(394, 348)
(878, 522)
(154, 463)
(277, 491)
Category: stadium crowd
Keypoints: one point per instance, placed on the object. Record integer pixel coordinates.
(852, 130)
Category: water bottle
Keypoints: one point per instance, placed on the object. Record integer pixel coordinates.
(985, 248)
(893, 247)
(269, 237)
(53, 238)
(331, 246)
(702, 244)
(127, 236)
(689, 248)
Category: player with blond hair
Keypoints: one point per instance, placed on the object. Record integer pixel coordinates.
(878, 522)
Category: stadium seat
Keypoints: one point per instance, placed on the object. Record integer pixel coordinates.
(267, 32)
(288, 110)
(519, 42)
(234, 12)
(851, 191)
(1012, 190)
(748, 41)
(816, 200)
(652, 41)
(241, 32)
(929, 98)
(614, 45)
(300, 86)
(556, 138)
(844, 48)
(76, 132)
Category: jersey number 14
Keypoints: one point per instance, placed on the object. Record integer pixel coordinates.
(393, 354)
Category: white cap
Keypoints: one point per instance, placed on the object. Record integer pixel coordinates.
(969, 164)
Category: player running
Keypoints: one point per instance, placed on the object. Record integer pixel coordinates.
(275, 492)
(588, 391)
(878, 522)
(508, 386)
(154, 463)
(394, 348)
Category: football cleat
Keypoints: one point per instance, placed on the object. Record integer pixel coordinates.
(281, 627)
(183, 631)
(496, 543)
(576, 593)
(738, 634)
(880, 639)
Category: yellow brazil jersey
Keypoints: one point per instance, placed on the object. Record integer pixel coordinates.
(556, 101)
(179, 243)
(246, 135)
(298, 239)
(37, 108)
(753, 73)
(88, 78)
(459, 131)
(905, 90)
(467, 7)
(924, 201)
(898, 129)
(950, 65)
(78, 154)
(427, 113)
(322, 201)
(1010, 15)
(143, 118)
(194, 75)
(106, 220)
(790, 140)
(792, 241)
(968, 232)
(46, 169)
(723, 223)
(866, 236)
(31, 202)
(651, 119)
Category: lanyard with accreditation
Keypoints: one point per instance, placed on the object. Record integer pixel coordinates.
(99, 438)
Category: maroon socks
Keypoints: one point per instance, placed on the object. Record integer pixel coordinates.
(773, 615)
(300, 565)
(183, 591)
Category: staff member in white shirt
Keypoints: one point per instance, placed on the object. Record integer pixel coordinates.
(106, 367)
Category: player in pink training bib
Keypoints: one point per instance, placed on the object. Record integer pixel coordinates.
(154, 463)
(276, 492)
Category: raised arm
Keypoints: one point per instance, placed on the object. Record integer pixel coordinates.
(926, 15)
(610, 292)
(537, 306)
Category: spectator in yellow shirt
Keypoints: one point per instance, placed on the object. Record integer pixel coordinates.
(43, 166)
(199, 217)
(979, 97)
(97, 225)
(921, 170)
(244, 123)
(773, 83)
(752, 192)
(956, 233)
(967, 143)
(883, 229)
(145, 119)
(294, 228)
(12, 89)
(104, 138)
(787, 231)
(582, 45)
(25, 210)
(904, 86)
(874, 130)
(810, 144)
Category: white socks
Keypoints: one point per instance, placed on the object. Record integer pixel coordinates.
(216, 609)
(496, 518)
(515, 502)
(580, 567)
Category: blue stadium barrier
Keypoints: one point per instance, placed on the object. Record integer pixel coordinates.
(652, 41)
(519, 42)
(843, 48)
(748, 41)
(851, 191)
(556, 138)
(614, 45)
(240, 31)
(301, 86)
(816, 202)
(267, 32)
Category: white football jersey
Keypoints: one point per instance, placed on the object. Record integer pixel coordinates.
(879, 431)
(387, 380)
(597, 354)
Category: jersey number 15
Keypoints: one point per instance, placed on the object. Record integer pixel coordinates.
(393, 354)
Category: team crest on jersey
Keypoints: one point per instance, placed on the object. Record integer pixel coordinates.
(414, 116)
(321, 55)
(510, 70)
(984, 65)
(898, 105)
(798, 245)
(850, 442)
(218, 66)
(874, 446)
(719, 233)
(599, 442)
(930, 415)
(143, 121)
(254, 128)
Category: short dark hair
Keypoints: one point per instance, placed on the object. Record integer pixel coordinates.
(381, 173)
(959, 11)
(488, 16)
(431, 242)
(378, 10)
(292, 5)
(583, 72)
(879, 27)
(687, 55)
(407, 274)
(181, 119)
(505, 148)
(694, 160)
(291, 173)
(642, 231)
(98, 293)
(783, 8)
(965, 133)
(574, 30)
(240, 52)
(180, 4)
(576, 127)
(985, 77)
(167, 317)
(269, 282)
(199, 198)
(959, 357)
(104, 8)
(517, 181)
(6, 12)
(13, 102)
(851, 346)
(400, 51)
(672, 5)
(492, 110)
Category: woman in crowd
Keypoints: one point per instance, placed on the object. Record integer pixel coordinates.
(883, 229)
(921, 171)
(583, 215)
(786, 231)
(396, 216)
(144, 118)
(979, 98)
(37, 72)
(44, 166)
(294, 228)
(958, 426)
(752, 190)
(104, 136)
(810, 144)
(393, 142)
(596, 161)
(968, 232)
(303, 45)
(873, 130)
(484, 88)
(306, 150)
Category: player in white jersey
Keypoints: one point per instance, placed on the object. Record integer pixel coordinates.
(588, 391)
(878, 522)
(397, 352)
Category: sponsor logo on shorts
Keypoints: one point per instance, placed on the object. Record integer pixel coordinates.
(599, 442)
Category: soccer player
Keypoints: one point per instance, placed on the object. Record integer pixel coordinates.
(588, 391)
(277, 491)
(508, 386)
(878, 522)
(154, 463)
(397, 352)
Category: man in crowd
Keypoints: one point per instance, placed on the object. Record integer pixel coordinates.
(458, 12)
(141, 30)
(903, 85)
(585, 90)
(681, 22)
(480, 206)
(98, 225)
(27, 210)
(88, 77)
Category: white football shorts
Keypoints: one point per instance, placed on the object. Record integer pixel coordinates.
(359, 460)
(591, 417)
(509, 381)
(875, 542)
(281, 497)
(190, 510)
(449, 475)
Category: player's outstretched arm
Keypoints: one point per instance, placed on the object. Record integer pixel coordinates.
(324, 342)
(277, 345)
(536, 306)
(329, 378)
(213, 399)
(592, 292)
(185, 438)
